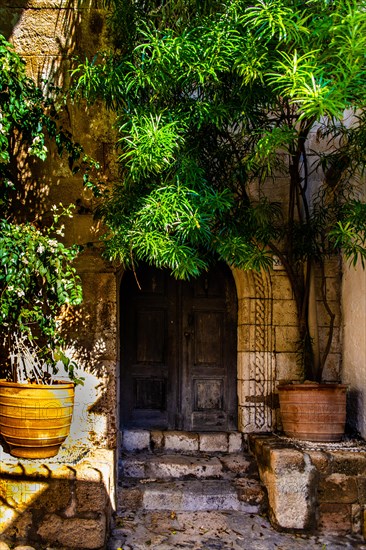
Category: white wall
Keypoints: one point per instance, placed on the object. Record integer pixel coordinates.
(354, 344)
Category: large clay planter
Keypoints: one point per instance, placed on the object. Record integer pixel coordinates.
(313, 412)
(34, 418)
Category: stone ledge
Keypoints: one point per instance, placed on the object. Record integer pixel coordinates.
(319, 489)
(58, 504)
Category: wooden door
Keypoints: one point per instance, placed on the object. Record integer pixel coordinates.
(178, 351)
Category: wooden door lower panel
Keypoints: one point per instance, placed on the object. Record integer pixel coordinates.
(209, 407)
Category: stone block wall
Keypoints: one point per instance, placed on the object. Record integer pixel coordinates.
(57, 504)
(67, 501)
(314, 489)
(268, 340)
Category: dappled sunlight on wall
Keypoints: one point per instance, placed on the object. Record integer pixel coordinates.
(63, 504)
(53, 35)
(49, 39)
(91, 333)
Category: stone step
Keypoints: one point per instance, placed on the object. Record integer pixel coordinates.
(183, 442)
(170, 466)
(193, 495)
(187, 472)
(176, 466)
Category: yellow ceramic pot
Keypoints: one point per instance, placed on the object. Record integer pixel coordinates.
(35, 418)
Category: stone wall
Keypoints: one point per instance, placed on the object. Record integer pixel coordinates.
(268, 340)
(316, 489)
(47, 34)
(67, 501)
(60, 504)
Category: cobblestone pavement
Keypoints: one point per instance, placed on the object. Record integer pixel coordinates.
(215, 531)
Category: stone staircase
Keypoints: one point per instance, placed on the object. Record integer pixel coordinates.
(183, 472)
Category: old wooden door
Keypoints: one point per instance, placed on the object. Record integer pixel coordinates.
(178, 351)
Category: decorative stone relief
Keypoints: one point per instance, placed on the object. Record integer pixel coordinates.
(256, 365)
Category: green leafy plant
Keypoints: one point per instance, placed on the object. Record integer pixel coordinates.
(37, 278)
(227, 113)
(29, 117)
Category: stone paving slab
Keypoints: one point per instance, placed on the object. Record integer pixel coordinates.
(215, 531)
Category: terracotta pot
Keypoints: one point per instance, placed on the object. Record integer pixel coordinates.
(313, 412)
(35, 418)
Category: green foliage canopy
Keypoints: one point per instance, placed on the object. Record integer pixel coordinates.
(206, 98)
(218, 103)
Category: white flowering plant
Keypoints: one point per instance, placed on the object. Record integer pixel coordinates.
(37, 280)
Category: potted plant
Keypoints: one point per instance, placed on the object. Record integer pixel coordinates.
(37, 281)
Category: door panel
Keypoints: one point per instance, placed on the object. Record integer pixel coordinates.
(208, 349)
(178, 357)
(150, 336)
(148, 387)
(209, 313)
(208, 394)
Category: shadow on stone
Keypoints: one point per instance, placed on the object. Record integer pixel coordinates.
(60, 505)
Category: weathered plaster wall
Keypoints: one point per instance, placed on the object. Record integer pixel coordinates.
(354, 338)
(354, 344)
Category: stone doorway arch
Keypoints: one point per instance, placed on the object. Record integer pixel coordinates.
(256, 357)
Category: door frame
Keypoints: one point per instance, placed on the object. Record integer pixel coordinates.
(257, 357)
